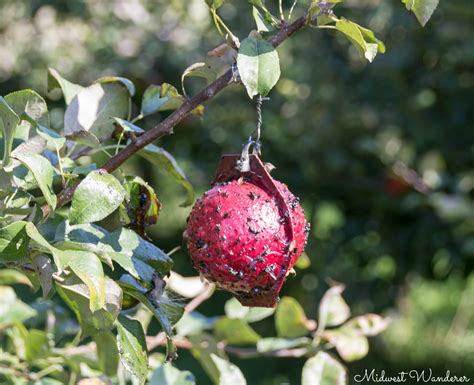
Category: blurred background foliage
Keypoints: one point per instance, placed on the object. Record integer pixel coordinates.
(381, 155)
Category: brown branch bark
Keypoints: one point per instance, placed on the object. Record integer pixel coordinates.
(167, 125)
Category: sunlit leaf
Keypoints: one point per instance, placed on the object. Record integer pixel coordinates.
(166, 374)
(194, 323)
(8, 123)
(93, 108)
(323, 369)
(205, 345)
(235, 332)
(206, 70)
(423, 9)
(367, 325)
(351, 347)
(234, 309)
(333, 310)
(55, 80)
(160, 98)
(272, 344)
(128, 126)
(290, 319)
(132, 347)
(42, 171)
(124, 81)
(12, 309)
(259, 65)
(88, 268)
(129, 243)
(96, 197)
(303, 261)
(229, 374)
(262, 24)
(362, 38)
(29, 102)
(61, 259)
(76, 295)
(13, 277)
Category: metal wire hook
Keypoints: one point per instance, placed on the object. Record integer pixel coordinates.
(243, 164)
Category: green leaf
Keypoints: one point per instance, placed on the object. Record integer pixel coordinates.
(128, 249)
(35, 341)
(57, 81)
(208, 71)
(84, 137)
(13, 277)
(303, 261)
(259, 65)
(107, 352)
(29, 102)
(204, 345)
(194, 323)
(322, 369)
(124, 81)
(351, 347)
(367, 325)
(165, 161)
(8, 122)
(13, 242)
(42, 171)
(160, 98)
(132, 347)
(93, 108)
(61, 259)
(12, 309)
(88, 268)
(128, 126)
(53, 138)
(269, 18)
(166, 374)
(139, 257)
(290, 319)
(235, 332)
(363, 39)
(273, 344)
(262, 24)
(76, 295)
(96, 197)
(234, 309)
(333, 310)
(229, 374)
(423, 9)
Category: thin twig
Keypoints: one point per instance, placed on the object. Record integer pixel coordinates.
(167, 125)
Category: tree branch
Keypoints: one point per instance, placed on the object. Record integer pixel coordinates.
(167, 125)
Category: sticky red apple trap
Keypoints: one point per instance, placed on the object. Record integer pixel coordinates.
(246, 232)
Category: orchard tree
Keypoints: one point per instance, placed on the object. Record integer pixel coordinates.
(76, 232)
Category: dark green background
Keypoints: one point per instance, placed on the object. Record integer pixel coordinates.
(338, 131)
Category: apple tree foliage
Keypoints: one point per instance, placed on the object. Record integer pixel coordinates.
(88, 254)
